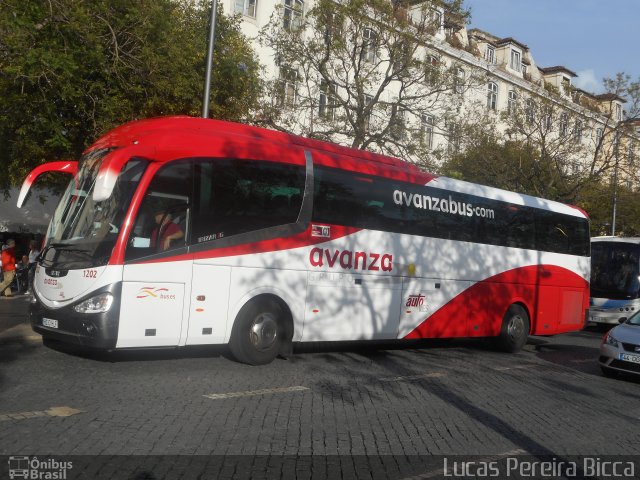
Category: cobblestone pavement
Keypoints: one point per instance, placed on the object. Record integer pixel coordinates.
(436, 398)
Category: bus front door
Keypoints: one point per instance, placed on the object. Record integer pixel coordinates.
(152, 310)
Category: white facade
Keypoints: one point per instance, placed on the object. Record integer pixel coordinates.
(504, 74)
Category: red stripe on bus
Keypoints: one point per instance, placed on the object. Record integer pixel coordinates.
(554, 297)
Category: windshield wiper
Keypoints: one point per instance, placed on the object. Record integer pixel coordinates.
(66, 248)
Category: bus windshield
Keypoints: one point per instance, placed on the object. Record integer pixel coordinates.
(83, 232)
(614, 270)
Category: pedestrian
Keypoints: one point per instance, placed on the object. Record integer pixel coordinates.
(8, 268)
(34, 251)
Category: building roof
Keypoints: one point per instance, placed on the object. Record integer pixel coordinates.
(482, 35)
(504, 41)
(557, 69)
(607, 97)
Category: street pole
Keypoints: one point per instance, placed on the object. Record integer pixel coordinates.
(615, 193)
(207, 80)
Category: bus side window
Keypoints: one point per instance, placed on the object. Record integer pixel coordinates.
(238, 196)
(161, 222)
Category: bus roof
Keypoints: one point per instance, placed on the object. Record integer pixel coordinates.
(166, 132)
(635, 240)
(176, 125)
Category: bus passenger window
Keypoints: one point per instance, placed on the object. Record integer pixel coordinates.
(240, 196)
(161, 222)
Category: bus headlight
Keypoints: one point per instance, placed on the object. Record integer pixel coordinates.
(98, 304)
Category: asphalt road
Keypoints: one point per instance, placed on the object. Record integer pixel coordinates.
(355, 409)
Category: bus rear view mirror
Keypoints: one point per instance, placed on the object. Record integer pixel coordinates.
(622, 319)
(64, 166)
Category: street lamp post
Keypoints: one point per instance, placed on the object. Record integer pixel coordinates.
(207, 80)
(615, 186)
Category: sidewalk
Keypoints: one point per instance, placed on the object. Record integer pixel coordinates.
(14, 321)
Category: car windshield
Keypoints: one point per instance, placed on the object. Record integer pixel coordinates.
(614, 270)
(83, 232)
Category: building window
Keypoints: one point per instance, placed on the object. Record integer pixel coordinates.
(492, 96)
(564, 125)
(368, 100)
(515, 60)
(327, 101)
(426, 130)
(524, 69)
(455, 138)
(397, 125)
(432, 72)
(530, 112)
(631, 154)
(577, 131)
(458, 80)
(293, 10)
(599, 135)
(247, 8)
(490, 54)
(287, 87)
(333, 29)
(512, 102)
(369, 45)
(548, 120)
(437, 20)
(618, 112)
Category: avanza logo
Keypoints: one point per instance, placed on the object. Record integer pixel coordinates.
(351, 260)
(415, 300)
(150, 292)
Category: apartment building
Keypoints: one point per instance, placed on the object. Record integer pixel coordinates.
(491, 80)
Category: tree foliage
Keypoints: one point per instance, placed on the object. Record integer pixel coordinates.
(71, 70)
(540, 147)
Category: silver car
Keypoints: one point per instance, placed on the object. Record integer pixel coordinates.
(620, 348)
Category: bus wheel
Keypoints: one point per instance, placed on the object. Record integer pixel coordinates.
(257, 333)
(515, 329)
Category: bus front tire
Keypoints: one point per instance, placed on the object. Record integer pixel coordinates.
(257, 334)
(514, 330)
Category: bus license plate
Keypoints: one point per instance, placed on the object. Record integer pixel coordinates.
(49, 322)
(630, 358)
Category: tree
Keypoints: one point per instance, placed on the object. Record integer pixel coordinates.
(361, 73)
(70, 71)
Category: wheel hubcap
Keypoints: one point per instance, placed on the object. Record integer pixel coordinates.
(263, 331)
(515, 329)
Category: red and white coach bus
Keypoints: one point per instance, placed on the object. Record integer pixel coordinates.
(272, 238)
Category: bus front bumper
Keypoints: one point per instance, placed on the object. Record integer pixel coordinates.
(95, 330)
(609, 317)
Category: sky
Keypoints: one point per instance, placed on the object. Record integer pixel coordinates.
(593, 38)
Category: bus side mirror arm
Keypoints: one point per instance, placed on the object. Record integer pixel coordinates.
(64, 166)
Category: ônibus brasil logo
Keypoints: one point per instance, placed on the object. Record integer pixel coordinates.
(32, 468)
(159, 293)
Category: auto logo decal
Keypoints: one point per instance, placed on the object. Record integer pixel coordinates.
(637, 349)
(159, 293)
(150, 292)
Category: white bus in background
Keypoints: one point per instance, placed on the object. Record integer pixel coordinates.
(286, 239)
(615, 279)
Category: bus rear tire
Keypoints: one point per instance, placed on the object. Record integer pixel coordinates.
(257, 335)
(514, 330)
